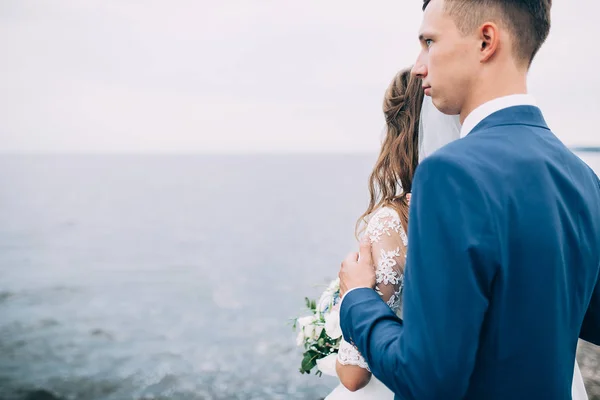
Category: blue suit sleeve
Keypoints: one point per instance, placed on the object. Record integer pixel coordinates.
(450, 266)
(590, 329)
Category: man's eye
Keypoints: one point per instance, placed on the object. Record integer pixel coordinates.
(428, 42)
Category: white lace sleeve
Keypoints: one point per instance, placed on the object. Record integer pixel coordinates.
(349, 355)
(389, 244)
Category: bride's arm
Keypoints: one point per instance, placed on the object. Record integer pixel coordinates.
(388, 250)
(353, 377)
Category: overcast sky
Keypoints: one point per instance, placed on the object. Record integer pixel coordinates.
(242, 75)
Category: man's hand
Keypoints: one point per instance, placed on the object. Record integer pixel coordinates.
(408, 199)
(357, 269)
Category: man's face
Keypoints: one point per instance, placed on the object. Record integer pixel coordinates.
(448, 62)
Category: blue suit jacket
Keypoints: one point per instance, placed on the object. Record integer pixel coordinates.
(502, 275)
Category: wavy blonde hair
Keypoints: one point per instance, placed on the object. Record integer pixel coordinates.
(392, 175)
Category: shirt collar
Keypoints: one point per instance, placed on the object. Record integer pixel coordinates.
(487, 109)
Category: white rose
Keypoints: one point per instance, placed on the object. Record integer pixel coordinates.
(332, 325)
(325, 301)
(317, 331)
(309, 331)
(306, 325)
(305, 321)
(300, 338)
(327, 364)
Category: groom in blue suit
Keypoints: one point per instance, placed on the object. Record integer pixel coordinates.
(503, 267)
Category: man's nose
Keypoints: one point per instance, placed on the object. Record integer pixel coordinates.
(419, 70)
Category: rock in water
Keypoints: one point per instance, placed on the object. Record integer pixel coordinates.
(588, 357)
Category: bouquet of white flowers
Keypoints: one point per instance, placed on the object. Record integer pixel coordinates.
(320, 333)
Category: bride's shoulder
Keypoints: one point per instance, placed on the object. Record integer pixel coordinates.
(383, 221)
(384, 212)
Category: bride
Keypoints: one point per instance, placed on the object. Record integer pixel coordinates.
(414, 129)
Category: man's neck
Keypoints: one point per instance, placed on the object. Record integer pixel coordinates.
(490, 90)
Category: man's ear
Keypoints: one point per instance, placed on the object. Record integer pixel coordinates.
(489, 36)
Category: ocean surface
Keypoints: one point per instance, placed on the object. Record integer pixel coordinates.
(168, 277)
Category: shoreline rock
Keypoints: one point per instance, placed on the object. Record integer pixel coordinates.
(588, 357)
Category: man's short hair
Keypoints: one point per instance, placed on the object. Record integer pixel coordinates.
(527, 20)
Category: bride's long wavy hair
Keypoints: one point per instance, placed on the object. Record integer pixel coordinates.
(392, 175)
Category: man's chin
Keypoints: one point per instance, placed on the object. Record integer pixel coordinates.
(443, 107)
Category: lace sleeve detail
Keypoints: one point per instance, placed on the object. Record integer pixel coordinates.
(389, 244)
(349, 355)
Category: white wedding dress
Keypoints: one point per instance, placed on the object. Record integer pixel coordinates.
(389, 243)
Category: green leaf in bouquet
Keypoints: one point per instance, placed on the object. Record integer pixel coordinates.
(309, 361)
(323, 335)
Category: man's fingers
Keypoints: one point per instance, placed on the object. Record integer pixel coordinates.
(350, 258)
(365, 250)
(408, 199)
